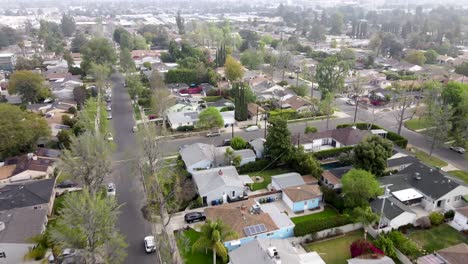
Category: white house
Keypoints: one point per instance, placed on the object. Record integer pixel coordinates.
(178, 119)
(279, 182)
(258, 146)
(247, 155)
(395, 214)
(460, 220)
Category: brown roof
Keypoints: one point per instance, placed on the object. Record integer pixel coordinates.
(24, 163)
(309, 179)
(76, 55)
(56, 75)
(6, 171)
(330, 177)
(302, 192)
(347, 136)
(252, 108)
(463, 211)
(237, 216)
(457, 254)
(296, 102)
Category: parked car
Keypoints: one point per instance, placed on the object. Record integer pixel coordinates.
(109, 108)
(109, 137)
(150, 245)
(458, 149)
(109, 116)
(213, 134)
(134, 129)
(252, 128)
(351, 102)
(226, 142)
(111, 189)
(194, 217)
(66, 184)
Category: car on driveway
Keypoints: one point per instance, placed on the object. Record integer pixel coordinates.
(458, 149)
(66, 184)
(111, 189)
(252, 128)
(351, 102)
(150, 245)
(194, 217)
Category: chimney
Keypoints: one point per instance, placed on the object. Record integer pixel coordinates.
(220, 172)
(417, 176)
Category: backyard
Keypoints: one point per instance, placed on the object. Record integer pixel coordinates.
(335, 251)
(326, 213)
(185, 240)
(462, 175)
(437, 238)
(266, 175)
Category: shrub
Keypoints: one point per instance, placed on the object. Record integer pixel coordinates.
(145, 102)
(287, 114)
(386, 245)
(310, 129)
(449, 214)
(363, 247)
(331, 197)
(328, 153)
(283, 83)
(227, 108)
(238, 143)
(423, 222)
(254, 166)
(436, 218)
(68, 121)
(404, 244)
(315, 225)
(72, 110)
(185, 128)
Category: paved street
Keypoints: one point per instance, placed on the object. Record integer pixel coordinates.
(128, 184)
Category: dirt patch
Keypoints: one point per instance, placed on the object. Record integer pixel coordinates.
(257, 179)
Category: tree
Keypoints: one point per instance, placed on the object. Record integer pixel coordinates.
(29, 85)
(326, 106)
(404, 98)
(359, 186)
(278, 141)
(98, 51)
(251, 59)
(87, 222)
(305, 164)
(64, 138)
(330, 75)
(431, 56)
(213, 234)
(356, 90)
(416, 57)
(27, 64)
(180, 21)
(221, 55)
(68, 25)
(300, 90)
(126, 62)
(366, 216)
(88, 160)
(100, 73)
(161, 99)
(233, 69)
(310, 129)
(333, 43)
(317, 33)
(20, 130)
(232, 158)
(372, 153)
(240, 100)
(336, 24)
(462, 69)
(210, 118)
(438, 119)
(80, 95)
(78, 41)
(238, 143)
(139, 43)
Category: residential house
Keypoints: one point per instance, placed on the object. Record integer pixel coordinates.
(182, 108)
(423, 186)
(7, 61)
(256, 112)
(457, 254)
(297, 103)
(444, 59)
(27, 167)
(399, 162)
(247, 156)
(208, 89)
(228, 118)
(282, 181)
(273, 251)
(460, 220)
(220, 104)
(221, 185)
(251, 221)
(56, 66)
(62, 88)
(23, 214)
(329, 139)
(179, 119)
(258, 146)
(332, 178)
(395, 213)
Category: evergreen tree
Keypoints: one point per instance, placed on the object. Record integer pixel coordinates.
(240, 102)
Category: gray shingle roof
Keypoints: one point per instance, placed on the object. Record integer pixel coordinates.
(22, 223)
(392, 209)
(288, 180)
(211, 179)
(25, 194)
(197, 152)
(401, 161)
(245, 153)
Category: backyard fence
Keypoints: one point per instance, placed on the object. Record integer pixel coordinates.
(325, 233)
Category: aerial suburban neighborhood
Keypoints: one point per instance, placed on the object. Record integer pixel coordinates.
(234, 132)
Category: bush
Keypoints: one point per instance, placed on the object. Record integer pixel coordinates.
(363, 247)
(283, 83)
(436, 218)
(310, 129)
(423, 222)
(287, 114)
(144, 102)
(64, 138)
(449, 214)
(394, 137)
(72, 110)
(331, 197)
(185, 128)
(253, 166)
(238, 143)
(404, 244)
(315, 225)
(386, 245)
(328, 153)
(68, 121)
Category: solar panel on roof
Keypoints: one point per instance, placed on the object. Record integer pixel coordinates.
(255, 229)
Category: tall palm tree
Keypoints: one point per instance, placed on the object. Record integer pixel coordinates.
(213, 233)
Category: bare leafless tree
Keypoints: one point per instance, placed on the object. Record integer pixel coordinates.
(403, 99)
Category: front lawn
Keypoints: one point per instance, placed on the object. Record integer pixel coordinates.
(430, 160)
(335, 251)
(136, 111)
(324, 215)
(462, 175)
(416, 124)
(266, 175)
(185, 240)
(437, 238)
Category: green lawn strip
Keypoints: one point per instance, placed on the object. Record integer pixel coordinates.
(416, 124)
(335, 251)
(430, 160)
(326, 213)
(437, 238)
(186, 249)
(462, 175)
(137, 112)
(266, 174)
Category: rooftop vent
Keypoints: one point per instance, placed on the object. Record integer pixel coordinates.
(272, 252)
(417, 176)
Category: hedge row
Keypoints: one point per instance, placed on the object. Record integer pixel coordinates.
(315, 225)
(404, 244)
(394, 137)
(328, 153)
(253, 166)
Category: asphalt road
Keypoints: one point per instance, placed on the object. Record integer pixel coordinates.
(384, 119)
(128, 184)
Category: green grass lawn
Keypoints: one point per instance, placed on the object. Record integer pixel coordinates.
(430, 160)
(266, 174)
(462, 175)
(137, 112)
(416, 123)
(335, 251)
(437, 238)
(326, 213)
(185, 248)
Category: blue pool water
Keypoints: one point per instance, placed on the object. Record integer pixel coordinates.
(331, 165)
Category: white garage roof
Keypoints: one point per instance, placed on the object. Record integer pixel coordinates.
(407, 194)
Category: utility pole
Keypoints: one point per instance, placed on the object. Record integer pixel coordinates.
(232, 131)
(256, 122)
(265, 124)
(384, 197)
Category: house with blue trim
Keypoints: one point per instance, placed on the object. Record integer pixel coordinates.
(251, 220)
